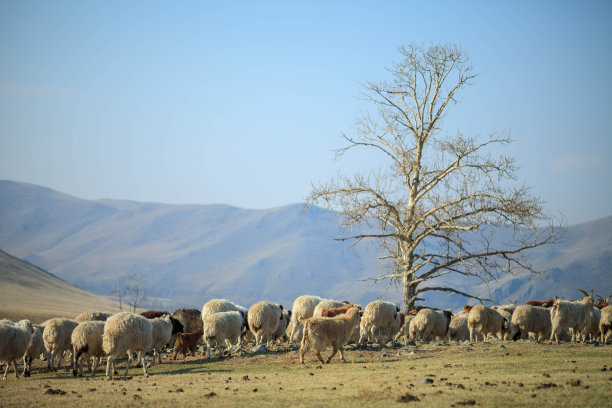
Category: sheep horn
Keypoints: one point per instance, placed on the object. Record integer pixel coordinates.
(585, 294)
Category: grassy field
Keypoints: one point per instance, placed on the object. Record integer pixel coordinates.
(486, 375)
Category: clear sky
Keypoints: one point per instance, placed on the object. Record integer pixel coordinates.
(242, 103)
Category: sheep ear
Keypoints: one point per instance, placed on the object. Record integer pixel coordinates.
(281, 307)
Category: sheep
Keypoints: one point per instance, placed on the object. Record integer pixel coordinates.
(92, 315)
(191, 319)
(569, 315)
(458, 328)
(126, 333)
(162, 330)
(335, 311)
(223, 305)
(605, 323)
(152, 314)
(430, 323)
(541, 303)
(281, 330)
(591, 327)
(57, 337)
(223, 328)
(263, 319)
(34, 350)
(404, 329)
(303, 308)
(187, 343)
(532, 319)
(327, 304)
(86, 340)
(484, 320)
(378, 316)
(506, 312)
(14, 341)
(320, 332)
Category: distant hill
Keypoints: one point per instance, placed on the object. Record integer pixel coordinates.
(192, 253)
(27, 291)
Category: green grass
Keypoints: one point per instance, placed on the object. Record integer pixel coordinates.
(517, 374)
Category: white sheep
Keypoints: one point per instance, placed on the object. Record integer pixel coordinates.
(223, 328)
(34, 350)
(56, 336)
(430, 323)
(534, 320)
(483, 320)
(86, 341)
(321, 332)
(14, 341)
(458, 327)
(161, 333)
(506, 311)
(224, 305)
(605, 323)
(378, 317)
(126, 333)
(303, 308)
(404, 330)
(569, 315)
(591, 327)
(263, 319)
(93, 315)
(283, 326)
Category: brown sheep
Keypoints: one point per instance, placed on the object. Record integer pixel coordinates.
(186, 343)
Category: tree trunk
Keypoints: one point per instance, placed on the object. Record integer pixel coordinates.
(409, 292)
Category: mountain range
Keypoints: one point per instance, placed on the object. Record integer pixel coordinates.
(189, 254)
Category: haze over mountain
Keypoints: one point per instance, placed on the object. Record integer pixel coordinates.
(192, 253)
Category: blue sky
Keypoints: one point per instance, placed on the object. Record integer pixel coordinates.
(242, 103)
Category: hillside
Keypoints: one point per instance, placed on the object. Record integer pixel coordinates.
(30, 292)
(191, 253)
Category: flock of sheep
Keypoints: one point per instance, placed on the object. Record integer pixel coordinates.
(315, 323)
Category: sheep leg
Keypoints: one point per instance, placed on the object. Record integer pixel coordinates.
(320, 357)
(334, 351)
(110, 362)
(95, 365)
(6, 371)
(127, 365)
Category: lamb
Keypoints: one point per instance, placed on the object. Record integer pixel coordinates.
(263, 318)
(222, 328)
(430, 323)
(34, 350)
(14, 341)
(93, 315)
(320, 332)
(187, 343)
(484, 320)
(605, 323)
(458, 328)
(303, 308)
(569, 315)
(404, 329)
(57, 338)
(532, 319)
(126, 333)
(86, 340)
(378, 316)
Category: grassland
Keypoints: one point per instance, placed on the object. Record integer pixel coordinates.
(486, 375)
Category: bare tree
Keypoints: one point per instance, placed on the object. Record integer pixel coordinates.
(133, 290)
(444, 204)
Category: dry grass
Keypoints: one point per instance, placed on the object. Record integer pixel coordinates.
(517, 374)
